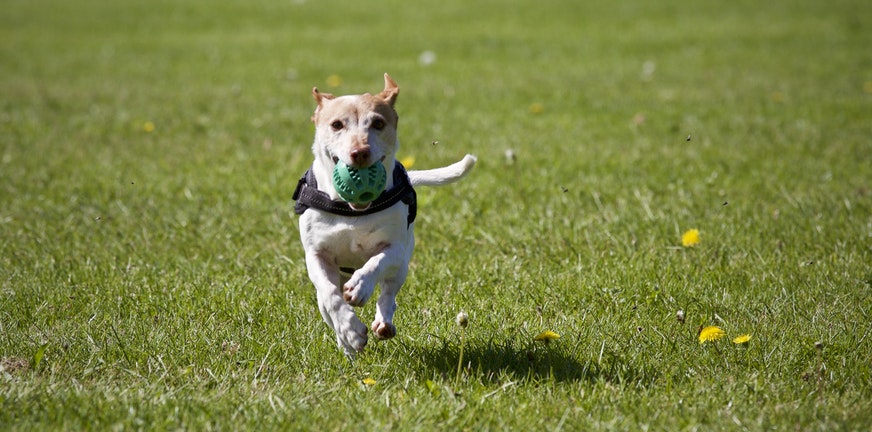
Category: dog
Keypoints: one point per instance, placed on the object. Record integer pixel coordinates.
(352, 247)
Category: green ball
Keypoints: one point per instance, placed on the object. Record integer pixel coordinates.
(359, 185)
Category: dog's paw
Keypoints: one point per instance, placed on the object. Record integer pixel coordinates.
(384, 330)
(357, 291)
(352, 337)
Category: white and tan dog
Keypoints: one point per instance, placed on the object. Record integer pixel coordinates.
(352, 248)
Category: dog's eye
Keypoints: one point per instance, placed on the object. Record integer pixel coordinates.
(337, 125)
(378, 124)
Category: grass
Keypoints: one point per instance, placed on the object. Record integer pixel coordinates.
(151, 276)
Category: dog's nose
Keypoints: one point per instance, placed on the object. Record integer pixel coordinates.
(360, 156)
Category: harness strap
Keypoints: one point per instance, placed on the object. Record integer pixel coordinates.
(308, 196)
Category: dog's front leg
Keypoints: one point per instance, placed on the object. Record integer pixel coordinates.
(389, 268)
(361, 285)
(339, 315)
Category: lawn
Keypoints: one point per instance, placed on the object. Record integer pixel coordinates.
(151, 275)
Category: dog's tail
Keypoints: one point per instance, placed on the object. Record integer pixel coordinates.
(444, 175)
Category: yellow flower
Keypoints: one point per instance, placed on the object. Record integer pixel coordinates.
(368, 381)
(537, 108)
(334, 80)
(148, 126)
(742, 339)
(690, 238)
(710, 334)
(546, 335)
(408, 161)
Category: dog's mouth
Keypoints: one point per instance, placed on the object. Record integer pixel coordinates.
(369, 198)
(335, 158)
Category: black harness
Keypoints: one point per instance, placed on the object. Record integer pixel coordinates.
(308, 196)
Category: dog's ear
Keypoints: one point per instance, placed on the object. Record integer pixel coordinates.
(319, 99)
(391, 91)
(320, 96)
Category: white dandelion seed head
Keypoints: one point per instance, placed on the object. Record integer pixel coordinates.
(462, 319)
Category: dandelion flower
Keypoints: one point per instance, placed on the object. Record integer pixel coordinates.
(741, 339)
(537, 108)
(408, 161)
(368, 381)
(334, 80)
(710, 334)
(148, 126)
(690, 238)
(546, 336)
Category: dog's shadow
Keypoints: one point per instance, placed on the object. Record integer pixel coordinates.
(498, 361)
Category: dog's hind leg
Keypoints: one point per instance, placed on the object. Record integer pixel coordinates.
(383, 325)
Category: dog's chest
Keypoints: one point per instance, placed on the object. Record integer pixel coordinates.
(351, 241)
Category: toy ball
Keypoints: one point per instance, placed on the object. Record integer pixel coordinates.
(359, 185)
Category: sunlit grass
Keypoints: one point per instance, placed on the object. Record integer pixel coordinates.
(646, 170)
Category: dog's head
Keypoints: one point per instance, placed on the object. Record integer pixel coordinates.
(359, 130)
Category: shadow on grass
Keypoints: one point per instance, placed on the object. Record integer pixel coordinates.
(500, 360)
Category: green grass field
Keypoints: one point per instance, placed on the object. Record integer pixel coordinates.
(151, 275)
